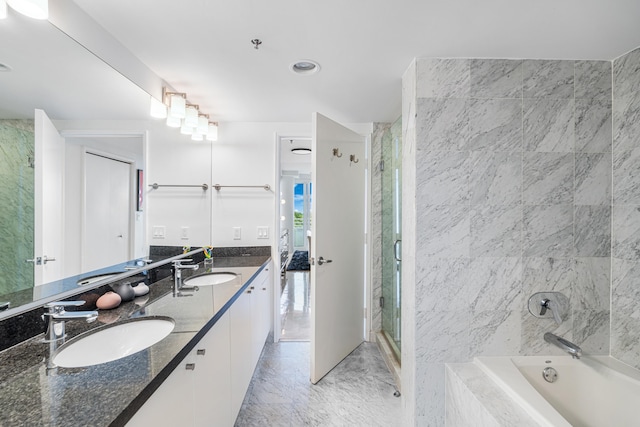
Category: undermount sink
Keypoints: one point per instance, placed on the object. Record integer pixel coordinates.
(210, 279)
(113, 342)
(92, 279)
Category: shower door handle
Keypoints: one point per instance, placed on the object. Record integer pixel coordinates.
(396, 244)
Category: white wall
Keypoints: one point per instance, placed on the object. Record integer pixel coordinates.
(245, 154)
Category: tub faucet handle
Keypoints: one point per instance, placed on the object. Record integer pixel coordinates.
(544, 305)
(548, 304)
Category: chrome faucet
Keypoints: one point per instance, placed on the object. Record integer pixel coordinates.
(565, 345)
(177, 273)
(56, 317)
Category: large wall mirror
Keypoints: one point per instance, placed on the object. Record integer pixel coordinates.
(48, 82)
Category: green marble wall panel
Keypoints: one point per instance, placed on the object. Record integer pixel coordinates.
(16, 206)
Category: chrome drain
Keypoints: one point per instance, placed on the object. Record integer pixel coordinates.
(549, 374)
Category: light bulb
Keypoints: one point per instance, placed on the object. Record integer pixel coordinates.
(173, 122)
(203, 125)
(36, 9)
(197, 137)
(177, 106)
(157, 109)
(186, 130)
(212, 133)
(191, 116)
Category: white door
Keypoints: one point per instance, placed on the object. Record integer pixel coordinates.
(337, 245)
(49, 201)
(107, 212)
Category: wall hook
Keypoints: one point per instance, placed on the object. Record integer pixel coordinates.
(256, 43)
(336, 152)
(352, 158)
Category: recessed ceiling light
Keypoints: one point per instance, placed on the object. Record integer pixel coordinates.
(301, 150)
(305, 66)
(4, 67)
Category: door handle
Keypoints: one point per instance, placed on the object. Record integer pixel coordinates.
(396, 244)
(321, 261)
(46, 259)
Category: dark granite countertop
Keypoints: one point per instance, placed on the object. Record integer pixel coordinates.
(110, 393)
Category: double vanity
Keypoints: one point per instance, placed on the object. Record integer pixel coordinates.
(203, 343)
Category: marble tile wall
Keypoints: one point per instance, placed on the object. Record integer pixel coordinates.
(512, 197)
(625, 286)
(16, 208)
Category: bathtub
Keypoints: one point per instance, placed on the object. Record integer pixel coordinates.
(593, 391)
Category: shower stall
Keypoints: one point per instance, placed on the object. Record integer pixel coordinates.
(391, 168)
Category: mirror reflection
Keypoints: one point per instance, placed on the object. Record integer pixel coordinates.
(69, 186)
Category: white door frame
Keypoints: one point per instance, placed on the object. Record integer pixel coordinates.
(275, 251)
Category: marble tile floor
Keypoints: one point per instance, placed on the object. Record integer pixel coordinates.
(294, 307)
(357, 392)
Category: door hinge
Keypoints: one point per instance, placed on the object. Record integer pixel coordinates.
(381, 302)
(381, 165)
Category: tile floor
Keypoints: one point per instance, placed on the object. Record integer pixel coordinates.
(357, 392)
(294, 307)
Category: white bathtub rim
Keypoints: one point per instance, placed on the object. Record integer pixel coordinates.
(505, 373)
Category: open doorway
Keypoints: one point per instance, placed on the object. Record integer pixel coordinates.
(296, 216)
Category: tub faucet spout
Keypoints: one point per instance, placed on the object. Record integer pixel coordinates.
(565, 345)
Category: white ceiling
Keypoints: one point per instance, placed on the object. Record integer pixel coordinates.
(203, 47)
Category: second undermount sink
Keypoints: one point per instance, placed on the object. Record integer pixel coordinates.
(92, 279)
(113, 342)
(210, 279)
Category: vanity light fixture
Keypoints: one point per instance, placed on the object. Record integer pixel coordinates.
(191, 116)
(157, 109)
(3, 9)
(180, 114)
(36, 9)
(212, 133)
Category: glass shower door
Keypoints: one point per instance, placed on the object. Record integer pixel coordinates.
(392, 235)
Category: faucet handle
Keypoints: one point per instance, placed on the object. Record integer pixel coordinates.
(180, 261)
(549, 304)
(60, 304)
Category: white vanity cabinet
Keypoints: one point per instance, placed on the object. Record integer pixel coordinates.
(250, 323)
(196, 393)
(209, 385)
(261, 312)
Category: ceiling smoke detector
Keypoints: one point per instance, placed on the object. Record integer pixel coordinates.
(305, 66)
